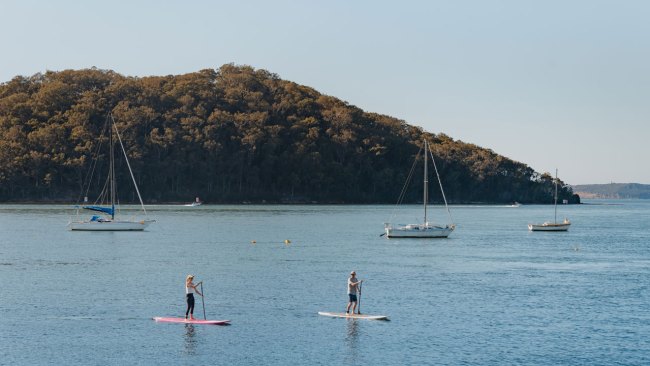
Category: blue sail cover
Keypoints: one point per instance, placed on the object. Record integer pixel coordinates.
(106, 210)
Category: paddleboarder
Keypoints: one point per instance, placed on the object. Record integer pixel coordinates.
(190, 289)
(353, 288)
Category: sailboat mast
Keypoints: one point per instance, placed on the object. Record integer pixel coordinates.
(426, 182)
(112, 168)
(555, 204)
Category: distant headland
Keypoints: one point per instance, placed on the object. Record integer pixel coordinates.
(613, 190)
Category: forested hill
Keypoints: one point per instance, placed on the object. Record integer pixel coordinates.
(235, 134)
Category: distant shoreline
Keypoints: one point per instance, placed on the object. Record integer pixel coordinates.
(593, 196)
(613, 191)
(273, 203)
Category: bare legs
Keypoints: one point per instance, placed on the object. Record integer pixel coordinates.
(352, 304)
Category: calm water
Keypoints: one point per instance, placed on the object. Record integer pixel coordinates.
(492, 294)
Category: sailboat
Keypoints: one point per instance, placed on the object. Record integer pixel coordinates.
(552, 226)
(107, 200)
(427, 229)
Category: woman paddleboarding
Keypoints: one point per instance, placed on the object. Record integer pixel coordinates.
(190, 289)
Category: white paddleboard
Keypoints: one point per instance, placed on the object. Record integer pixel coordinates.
(190, 321)
(353, 316)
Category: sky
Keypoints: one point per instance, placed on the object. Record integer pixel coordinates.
(553, 84)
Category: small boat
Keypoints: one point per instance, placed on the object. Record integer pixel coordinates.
(552, 226)
(197, 202)
(108, 195)
(427, 229)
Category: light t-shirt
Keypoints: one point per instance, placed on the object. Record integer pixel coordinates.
(189, 290)
(352, 290)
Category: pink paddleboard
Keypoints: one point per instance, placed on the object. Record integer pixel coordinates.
(188, 321)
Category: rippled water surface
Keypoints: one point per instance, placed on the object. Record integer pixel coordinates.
(491, 294)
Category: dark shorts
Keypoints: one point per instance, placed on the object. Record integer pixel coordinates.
(353, 297)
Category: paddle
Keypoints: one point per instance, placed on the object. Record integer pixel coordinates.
(203, 299)
(359, 304)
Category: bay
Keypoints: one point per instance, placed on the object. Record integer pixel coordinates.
(492, 294)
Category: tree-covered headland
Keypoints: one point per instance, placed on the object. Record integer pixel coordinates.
(234, 134)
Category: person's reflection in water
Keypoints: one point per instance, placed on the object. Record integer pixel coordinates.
(352, 340)
(190, 342)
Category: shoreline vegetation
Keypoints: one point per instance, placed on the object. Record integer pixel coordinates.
(273, 203)
(232, 135)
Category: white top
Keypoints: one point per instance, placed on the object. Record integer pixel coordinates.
(352, 286)
(189, 289)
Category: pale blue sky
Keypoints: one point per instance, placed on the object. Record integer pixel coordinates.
(553, 84)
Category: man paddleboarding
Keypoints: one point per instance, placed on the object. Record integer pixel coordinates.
(353, 288)
(190, 289)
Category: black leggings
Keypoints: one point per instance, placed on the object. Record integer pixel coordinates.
(190, 304)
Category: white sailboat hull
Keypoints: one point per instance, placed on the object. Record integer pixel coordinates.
(116, 225)
(419, 231)
(549, 226)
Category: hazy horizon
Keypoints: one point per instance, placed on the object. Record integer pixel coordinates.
(553, 85)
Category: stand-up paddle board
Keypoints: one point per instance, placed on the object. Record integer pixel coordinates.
(188, 321)
(353, 316)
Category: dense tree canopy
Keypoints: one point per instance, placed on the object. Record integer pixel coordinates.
(235, 134)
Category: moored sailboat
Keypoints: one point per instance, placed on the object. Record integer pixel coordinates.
(552, 226)
(108, 196)
(427, 229)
